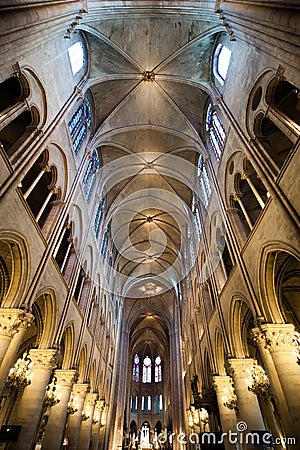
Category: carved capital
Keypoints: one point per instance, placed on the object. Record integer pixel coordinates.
(221, 383)
(66, 377)
(276, 337)
(91, 399)
(44, 358)
(11, 320)
(99, 406)
(239, 367)
(81, 390)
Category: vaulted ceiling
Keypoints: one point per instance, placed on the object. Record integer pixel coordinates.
(149, 74)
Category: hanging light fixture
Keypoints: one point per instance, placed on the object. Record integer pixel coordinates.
(52, 395)
(20, 374)
(258, 382)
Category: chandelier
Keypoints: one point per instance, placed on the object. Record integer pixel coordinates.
(20, 374)
(258, 382)
(52, 395)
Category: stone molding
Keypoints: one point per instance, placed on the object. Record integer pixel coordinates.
(221, 382)
(66, 377)
(12, 319)
(276, 337)
(81, 390)
(239, 367)
(91, 399)
(44, 358)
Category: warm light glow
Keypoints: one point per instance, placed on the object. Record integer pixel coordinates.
(76, 56)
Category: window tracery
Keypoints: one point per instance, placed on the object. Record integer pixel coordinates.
(205, 186)
(147, 364)
(90, 175)
(79, 123)
(216, 131)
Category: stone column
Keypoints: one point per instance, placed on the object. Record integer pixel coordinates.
(10, 320)
(86, 425)
(58, 415)
(280, 342)
(31, 403)
(16, 327)
(96, 425)
(248, 405)
(79, 393)
(223, 384)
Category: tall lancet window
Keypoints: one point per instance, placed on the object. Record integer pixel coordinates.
(99, 215)
(147, 370)
(79, 123)
(216, 131)
(90, 175)
(205, 187)
(157, 370)
(136, 369)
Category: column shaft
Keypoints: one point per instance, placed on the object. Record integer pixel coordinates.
(58, 415)
(31, 403)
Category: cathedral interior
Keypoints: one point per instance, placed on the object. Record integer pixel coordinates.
(149, 224)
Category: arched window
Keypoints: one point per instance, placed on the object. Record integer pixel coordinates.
(79, 123)
(196, 212)
(216, 131)
(90, 175)
(136, 369)
(205, 187)
(157, 370)
(38, 188)
(147, 370)
(272, 138)
(99, 215)
(222, 60)
(76, 56)
(12, 91)
(104, 243)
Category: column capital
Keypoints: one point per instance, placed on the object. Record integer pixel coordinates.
(222, 382)
(12, 319)
(279, 337)
(81, 390)
(44, 358)
(239, 366)
(91, 399)
(99, 405)
(66, 377)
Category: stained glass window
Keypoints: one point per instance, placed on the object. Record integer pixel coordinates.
(197, 220)
(75, 121)
(88, 114)
(216, 131)
(99, 215)
(157, 370)
(104, 243)
(147, 370)
(90, 175)
(205, 187)
(136, 369)
(79, 123)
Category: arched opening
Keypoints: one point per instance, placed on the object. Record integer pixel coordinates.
(285, 97)
(12, 91)
(11, 135)
(274, 141)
